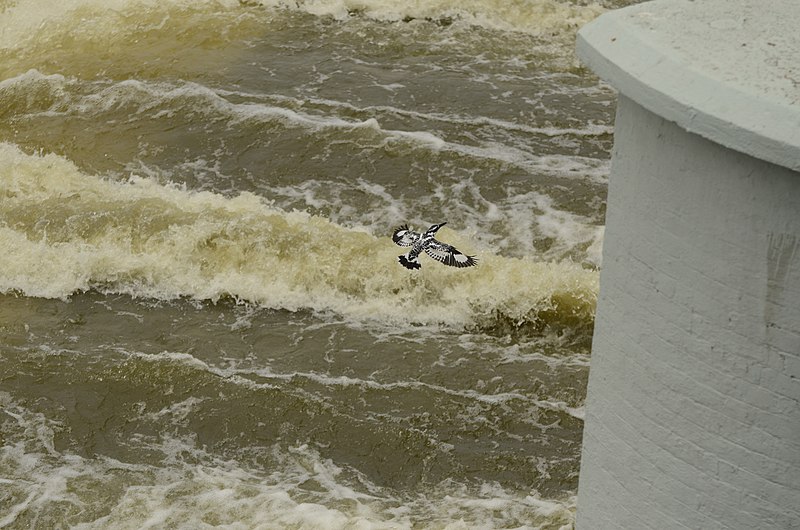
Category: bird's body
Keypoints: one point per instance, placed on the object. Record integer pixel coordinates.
(426, 242)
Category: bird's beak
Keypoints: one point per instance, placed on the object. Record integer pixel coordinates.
(442, 224)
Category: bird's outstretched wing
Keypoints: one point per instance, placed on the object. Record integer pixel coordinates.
(405, 237)
(449, 255)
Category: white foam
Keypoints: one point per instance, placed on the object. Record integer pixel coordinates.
(191, 488)
(525, 218)
(177, 412)
(588, 130)
(149, 240)
(192, 97)
(526, 16)
(187, 97)
(558, 165)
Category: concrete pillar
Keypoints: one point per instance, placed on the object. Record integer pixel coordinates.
(693, 406)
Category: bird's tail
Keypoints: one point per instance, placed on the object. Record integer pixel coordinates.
(412, 263)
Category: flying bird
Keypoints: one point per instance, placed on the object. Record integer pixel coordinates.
(439, 251)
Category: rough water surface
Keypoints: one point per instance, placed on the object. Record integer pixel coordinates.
(203, 323)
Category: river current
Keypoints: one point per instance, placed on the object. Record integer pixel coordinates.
(203, 323)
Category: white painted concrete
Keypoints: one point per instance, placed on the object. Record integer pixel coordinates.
(693, 406)
(728, 70)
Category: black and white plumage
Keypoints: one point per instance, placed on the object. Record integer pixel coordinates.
(437, 250)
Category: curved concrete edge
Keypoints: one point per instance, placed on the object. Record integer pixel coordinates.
(622, 54)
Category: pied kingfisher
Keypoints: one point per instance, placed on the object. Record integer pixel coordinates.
(439, 251)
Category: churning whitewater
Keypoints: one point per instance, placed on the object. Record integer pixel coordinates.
(71, 232)
(203, 321)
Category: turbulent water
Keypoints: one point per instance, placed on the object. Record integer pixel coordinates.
(203, 322)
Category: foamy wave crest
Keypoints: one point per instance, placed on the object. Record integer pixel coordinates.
(91, 21)
(65, 231)
(54, 94)
(528, 16)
